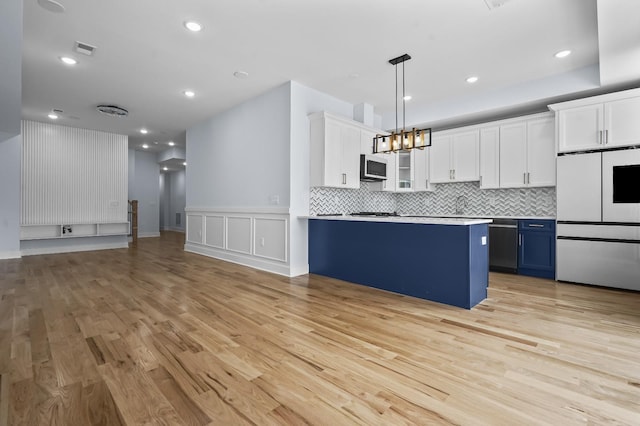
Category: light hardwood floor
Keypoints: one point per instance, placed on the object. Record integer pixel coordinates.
(155, 335)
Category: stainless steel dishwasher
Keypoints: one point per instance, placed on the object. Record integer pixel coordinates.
(503, 245)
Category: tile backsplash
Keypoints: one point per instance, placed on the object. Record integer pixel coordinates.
(442, 201)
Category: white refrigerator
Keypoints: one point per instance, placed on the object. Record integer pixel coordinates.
(598, 214)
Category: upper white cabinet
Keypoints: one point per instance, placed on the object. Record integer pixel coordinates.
(407, 171)
(527, 153)
(454, 157)
(389, 184)
(541, 152)
(580, 128)
(366, 141)
(621, 122)
(490, 157)
(412, 171)
(599, 122)
(335, 151)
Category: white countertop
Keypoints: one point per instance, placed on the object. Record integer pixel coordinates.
(406, 219)
(499, 217)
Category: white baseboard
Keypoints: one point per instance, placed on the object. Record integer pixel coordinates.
(297, 271)
(240, 259)
(72, 249)
(173, 229)
(148, 234)
(10, 255)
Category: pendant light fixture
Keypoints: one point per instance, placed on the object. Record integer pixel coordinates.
(401, 139)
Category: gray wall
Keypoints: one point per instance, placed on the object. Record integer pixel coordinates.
(10, 68)
(10, 112)
(143, 184)
(172, 200)
(240, 158)
(10, 195)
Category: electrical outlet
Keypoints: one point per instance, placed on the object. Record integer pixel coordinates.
(274, 199)
(484, 240)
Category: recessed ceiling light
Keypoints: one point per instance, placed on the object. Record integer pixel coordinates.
(563, 54)
(184, 164)
(241, 74)
(193, 26)
(189, 93)
(53, 116)
(165, 168)
(407, 98)
(171, 143)
(472, 79)
(144, 131)
(67, 60)
(145, 146)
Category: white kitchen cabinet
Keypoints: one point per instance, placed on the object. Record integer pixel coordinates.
(366, 141)
(527, 153)
(389, 184)
(412, 174)
(579, 128)
(513, 155)
(454, 157)
(440, 159)
(599, 122)
(621, 123)
(490, 158)
(541, 152)
(335, 151)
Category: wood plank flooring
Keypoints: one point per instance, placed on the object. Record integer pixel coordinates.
(158, 336)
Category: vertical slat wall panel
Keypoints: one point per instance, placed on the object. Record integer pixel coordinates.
(72, 176)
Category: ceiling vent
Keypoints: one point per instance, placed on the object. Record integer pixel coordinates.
(112, 110)
(492, 4)
(84, 48)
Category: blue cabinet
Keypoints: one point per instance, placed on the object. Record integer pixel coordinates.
(537, 248)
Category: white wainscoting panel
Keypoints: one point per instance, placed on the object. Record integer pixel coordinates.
(255, 237)
(214, 226)
(270, 238)
(239, 231)
(194, 228)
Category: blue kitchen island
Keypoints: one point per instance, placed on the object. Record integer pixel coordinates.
(440, 259)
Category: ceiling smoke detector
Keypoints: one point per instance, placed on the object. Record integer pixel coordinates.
(112, 110)
(84, 48)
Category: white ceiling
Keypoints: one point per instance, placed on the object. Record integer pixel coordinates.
(145, 58)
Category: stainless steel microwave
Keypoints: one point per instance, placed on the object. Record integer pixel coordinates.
(372, 168)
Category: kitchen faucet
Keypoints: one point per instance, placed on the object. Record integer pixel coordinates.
(461, 204)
